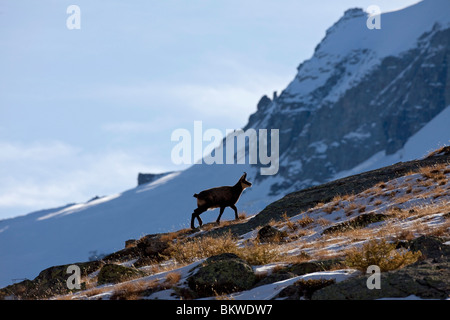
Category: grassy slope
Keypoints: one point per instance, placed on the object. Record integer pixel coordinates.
(303, 200)
(395, 203)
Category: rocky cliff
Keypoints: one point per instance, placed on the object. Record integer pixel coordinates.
(362, 92)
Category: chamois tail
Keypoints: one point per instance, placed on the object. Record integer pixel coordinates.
(195, 195)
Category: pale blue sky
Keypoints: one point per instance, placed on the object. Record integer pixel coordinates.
(83, 111)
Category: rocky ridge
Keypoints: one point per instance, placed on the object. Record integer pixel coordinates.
(293, 256)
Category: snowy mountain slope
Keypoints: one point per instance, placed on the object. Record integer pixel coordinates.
(432, 136)
(364, 48)
(75, 232)
(363, 92)
(363, 97)
(408, 211)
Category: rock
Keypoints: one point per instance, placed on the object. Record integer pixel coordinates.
(298, 269)
(222, 274)
(313, 266)
(152, 245)
(360, 221)
(50, 282)
(275, 277)
(114, 273)
(270, 234)
(144, 178)
(130, 243)
(148, 248)
(430, 246)
(263, 103)
(122, 255)
(427, 279)
(304, 288)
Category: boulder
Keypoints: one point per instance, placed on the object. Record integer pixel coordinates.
(275, 277)
(314, 266)
(152, 245)
(304, 288)
(114, 273)
(430, 247)
(360, 221)
(427, 279)
(270, 234)
(50, 282)
(222, 274)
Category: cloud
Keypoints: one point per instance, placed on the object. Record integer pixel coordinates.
(155, 125)
(42, 175)
(172, 102)
(37, 151)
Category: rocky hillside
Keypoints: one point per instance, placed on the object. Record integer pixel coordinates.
(316, 243)
(362, 92)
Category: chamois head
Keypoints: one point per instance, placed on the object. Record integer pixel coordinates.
(243, 181)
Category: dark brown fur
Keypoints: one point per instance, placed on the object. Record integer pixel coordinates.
(220, 197)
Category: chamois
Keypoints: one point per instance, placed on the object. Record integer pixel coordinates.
(220, 197)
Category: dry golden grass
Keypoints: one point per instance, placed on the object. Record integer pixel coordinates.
(133, 290)
(130, 290)
(403, 224)
(325, 254)
(433, 171)
(323, 222)
(330, 209)
(299, 258)
(441, 230)
(318, 206)
(404, 198)
(305, 221)
(380, 253)
(190, 250)
(287, 222)
(172, 279)
(351, 234)
(426, 183)
(380, 185)
(350, 208)
(437, 151)
(174, 235)
(429, 209)
(405, 234)
(260, 254)
(378, 202)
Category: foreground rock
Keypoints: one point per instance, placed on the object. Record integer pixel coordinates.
(148, 248)
(303, 289)
(50, 282)
(222, 274)
(114, 273)
(427, 279)
(269, 234)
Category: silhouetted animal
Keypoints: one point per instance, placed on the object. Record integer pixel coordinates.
(220, 197)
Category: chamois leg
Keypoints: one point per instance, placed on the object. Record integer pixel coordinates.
(196, 214)
(220, 215)
(236, 216)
